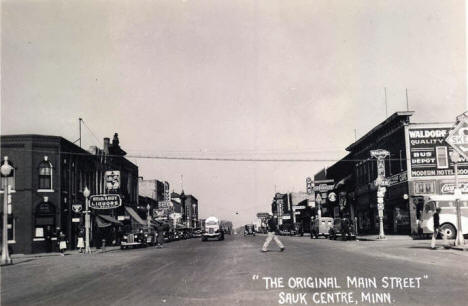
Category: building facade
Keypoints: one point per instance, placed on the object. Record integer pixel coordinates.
(418, 165)
(50, 174)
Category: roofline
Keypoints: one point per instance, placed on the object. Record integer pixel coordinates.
(379, 126)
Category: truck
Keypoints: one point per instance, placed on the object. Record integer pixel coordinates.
(212, 229)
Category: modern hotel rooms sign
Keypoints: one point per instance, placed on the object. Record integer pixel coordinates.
(429, 153)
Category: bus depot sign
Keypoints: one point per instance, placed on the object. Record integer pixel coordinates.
(105, 201)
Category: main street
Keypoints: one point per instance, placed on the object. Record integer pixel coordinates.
(230, 272)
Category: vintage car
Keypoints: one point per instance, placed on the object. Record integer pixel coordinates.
(249, 230)
(320, 227)
(344, 228)
(138, 238)
(197, 233)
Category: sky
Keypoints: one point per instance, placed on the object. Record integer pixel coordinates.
(243, 79)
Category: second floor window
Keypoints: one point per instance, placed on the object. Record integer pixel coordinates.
(45, 175)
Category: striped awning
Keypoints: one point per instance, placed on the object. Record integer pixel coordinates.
(135, 215)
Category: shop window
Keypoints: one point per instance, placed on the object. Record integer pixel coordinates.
(44, 224)
(45, 175)
(10, 179)
(424, 188)
(442, 157)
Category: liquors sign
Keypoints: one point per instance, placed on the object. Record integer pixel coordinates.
(105, 201)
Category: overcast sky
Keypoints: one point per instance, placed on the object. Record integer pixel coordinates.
(262, 79)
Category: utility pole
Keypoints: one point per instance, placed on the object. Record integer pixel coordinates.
(79, 127)
(386, 113)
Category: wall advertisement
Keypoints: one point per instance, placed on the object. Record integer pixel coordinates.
(428, 152)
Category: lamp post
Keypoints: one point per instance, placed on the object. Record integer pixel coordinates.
(5, 169)
(380, 183)
(459, 240)
(148, 217)
(86, 194)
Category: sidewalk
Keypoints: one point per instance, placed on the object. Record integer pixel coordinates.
(375, 237)
(71, 252)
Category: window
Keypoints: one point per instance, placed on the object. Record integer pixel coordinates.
(442, 157)
(10, 178)
(45, 175)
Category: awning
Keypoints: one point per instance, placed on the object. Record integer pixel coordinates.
(343, 181)
(102, 222)
(135, 216)
(110, 219)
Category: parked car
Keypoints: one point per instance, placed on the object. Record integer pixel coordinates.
(249, 230)
(133, 239)
(197, 233)
(344, 228)
(320, 227)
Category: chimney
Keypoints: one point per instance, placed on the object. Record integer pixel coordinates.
(115, 140)
(106, 146)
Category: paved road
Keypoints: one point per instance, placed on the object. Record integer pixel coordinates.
(192, 272)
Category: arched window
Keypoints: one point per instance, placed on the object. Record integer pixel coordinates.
(10, 178)
(45, 174)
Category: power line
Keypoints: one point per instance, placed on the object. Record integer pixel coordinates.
(200, 158)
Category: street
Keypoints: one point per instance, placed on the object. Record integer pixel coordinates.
(231, 272)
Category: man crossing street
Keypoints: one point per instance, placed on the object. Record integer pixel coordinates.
(272, 229)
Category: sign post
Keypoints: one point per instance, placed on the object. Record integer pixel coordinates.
(380, 182)
(458, 139)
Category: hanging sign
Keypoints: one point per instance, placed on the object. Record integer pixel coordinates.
(105, 201)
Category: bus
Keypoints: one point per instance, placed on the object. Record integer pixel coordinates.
(448, 214)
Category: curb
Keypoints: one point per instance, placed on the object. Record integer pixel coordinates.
(72, 252)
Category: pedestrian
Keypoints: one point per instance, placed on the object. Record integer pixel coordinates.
(160, 228)
(62, 243)
(272, 229)
(437, 230)
(80, 244)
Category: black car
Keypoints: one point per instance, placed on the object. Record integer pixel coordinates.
(344, 228)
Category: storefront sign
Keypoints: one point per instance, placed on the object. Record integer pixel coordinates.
(332, 197)
(286, 217)
(76, 220)
(105, 201)
(262, 215)
(458, 138)
(309, 185)
(430, 153)
(298, 206)
(398, 178)
(164, 204)
(323, 187)
(167, 193)
(112, 179)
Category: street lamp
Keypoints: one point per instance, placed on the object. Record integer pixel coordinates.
(5, 169)
(86, 194)
(148, 217)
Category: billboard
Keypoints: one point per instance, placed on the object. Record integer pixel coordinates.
(429, 154)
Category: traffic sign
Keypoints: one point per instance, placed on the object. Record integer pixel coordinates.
(458, 138)
(77, 208)
(318, 198)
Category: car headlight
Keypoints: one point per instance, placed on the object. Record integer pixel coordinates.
(146, 235)
(125, 237)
